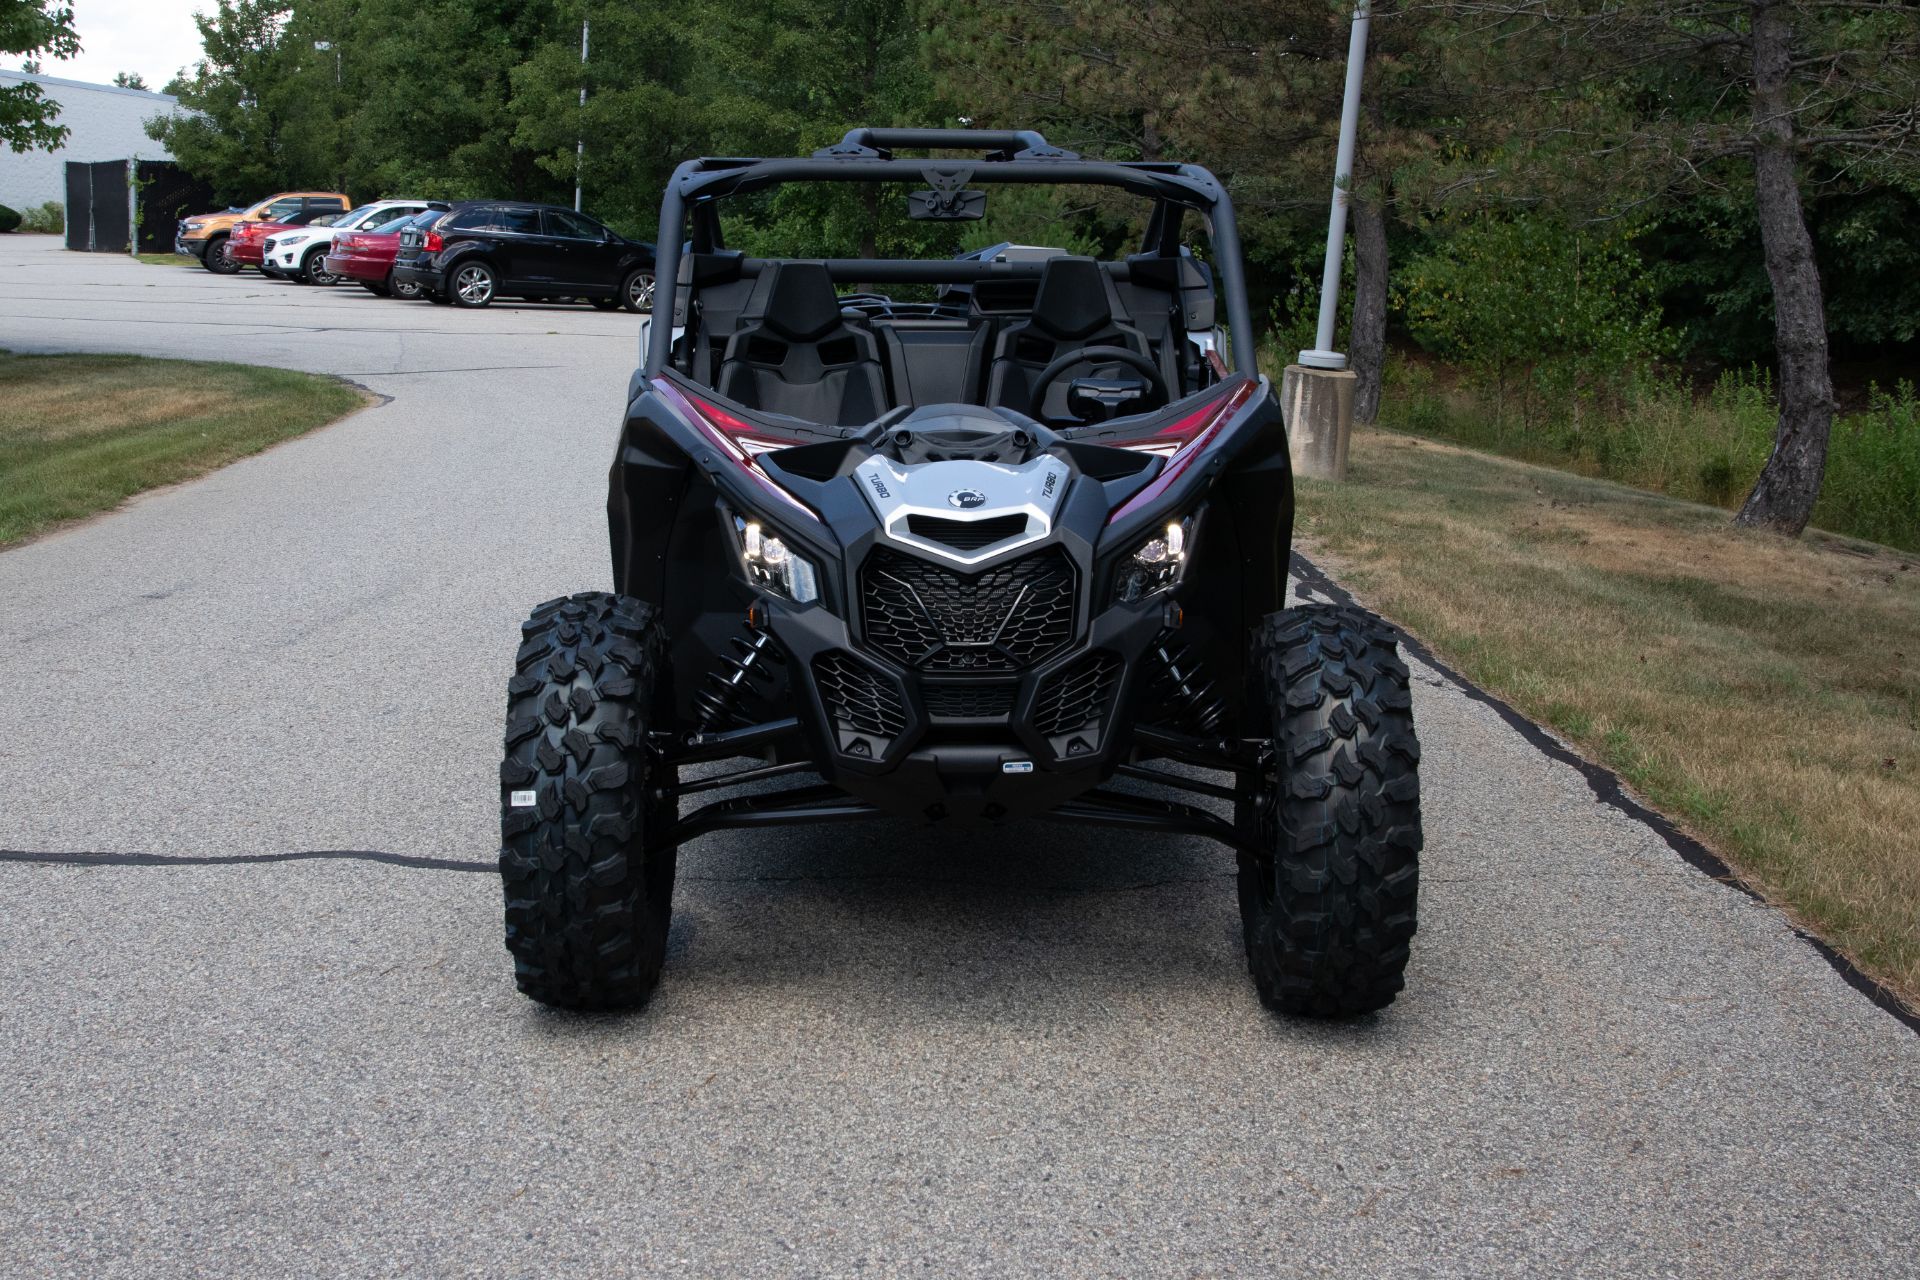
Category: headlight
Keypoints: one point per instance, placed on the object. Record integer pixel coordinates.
(1155, 564)
(286, 242)
(771, 564)
(195, 226)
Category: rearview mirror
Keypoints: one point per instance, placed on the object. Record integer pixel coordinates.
(947, 206)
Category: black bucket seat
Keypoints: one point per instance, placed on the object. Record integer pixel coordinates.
(795, 353)
(1076, 307)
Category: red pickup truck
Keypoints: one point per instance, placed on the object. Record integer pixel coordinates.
(366, 257)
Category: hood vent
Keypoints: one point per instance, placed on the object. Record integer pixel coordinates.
(966, 535)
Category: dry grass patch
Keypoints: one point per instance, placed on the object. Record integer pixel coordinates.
(81, 434)
(1764, 692)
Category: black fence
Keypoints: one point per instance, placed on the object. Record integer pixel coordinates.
(165, 195)
(99, 215)
(105, 216)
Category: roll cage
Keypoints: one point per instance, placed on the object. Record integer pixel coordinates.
(690, 227)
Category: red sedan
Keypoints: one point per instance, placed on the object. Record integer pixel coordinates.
(366, 257)
(248, 243)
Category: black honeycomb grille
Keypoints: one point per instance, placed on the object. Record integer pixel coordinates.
(939, 619)
(859, 699)
(1078, 699)
(970, 701)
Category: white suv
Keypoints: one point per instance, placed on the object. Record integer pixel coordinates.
(300, 253)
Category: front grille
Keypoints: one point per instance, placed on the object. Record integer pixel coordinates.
(940, 619)
(970, 701)
(1078, 699)
(966, 535)
(859, 699)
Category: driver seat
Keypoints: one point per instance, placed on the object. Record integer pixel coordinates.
(1076, 307)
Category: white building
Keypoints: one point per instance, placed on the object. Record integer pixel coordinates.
(104, 122)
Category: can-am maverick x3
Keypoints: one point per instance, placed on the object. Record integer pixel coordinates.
(964, 561)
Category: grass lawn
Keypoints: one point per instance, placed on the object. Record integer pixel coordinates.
(167, 260)
(1764, 692)
(81, 434)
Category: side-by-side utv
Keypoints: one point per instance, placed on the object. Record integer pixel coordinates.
(963, 541)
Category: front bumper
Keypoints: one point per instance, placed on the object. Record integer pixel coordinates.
(190, 248)
(967, 748)
(282, 262)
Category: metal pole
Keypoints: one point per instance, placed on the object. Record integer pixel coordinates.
(580, 140)
(1323, 356)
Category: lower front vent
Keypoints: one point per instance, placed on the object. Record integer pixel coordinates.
(862, 702)
(1078, 699)
(974, 701)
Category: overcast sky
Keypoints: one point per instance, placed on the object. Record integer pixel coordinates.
(153, 37)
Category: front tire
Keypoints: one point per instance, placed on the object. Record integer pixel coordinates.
(219, 258)
(472, 284)
(313, 269)
(1328, 904)
(587, 873)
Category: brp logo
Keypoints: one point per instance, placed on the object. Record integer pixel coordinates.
(966, 499)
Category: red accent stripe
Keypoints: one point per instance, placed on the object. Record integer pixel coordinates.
(1203, 424)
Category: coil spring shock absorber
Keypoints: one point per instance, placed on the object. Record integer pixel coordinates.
(1190, 699)
(727, 685)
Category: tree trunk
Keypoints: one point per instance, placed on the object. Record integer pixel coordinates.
(1368, 345)
(1789, 485)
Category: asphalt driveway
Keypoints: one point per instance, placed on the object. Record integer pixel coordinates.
(877, 1050)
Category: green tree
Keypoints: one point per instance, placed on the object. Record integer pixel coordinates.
(130, 80)
(28, 116)
(233, 135)
(1617, 104)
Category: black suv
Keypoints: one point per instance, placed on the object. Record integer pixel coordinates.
(487, 249)
(1018, 549)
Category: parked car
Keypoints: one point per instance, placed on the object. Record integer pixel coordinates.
(206, 235)
(366, 257)
(299, 253)
(246, 244)
(488, 249)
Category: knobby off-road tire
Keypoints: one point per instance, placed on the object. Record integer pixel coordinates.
(1328, 904)
(588, 879)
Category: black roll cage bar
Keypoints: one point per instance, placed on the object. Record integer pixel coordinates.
(1010, 156)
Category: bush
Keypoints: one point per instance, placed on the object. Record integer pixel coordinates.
(1873, 471)
(1657, 433)
(1547, 317)
(50, 218)
(9, 220)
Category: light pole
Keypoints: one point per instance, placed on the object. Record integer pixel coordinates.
(1323, 356)
(580, 138)
(1316, 393)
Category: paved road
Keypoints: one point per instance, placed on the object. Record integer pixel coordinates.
(877, 1050)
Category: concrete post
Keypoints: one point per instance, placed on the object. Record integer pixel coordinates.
(1318, 407)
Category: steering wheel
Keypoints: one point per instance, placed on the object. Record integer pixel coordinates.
(1156, 382)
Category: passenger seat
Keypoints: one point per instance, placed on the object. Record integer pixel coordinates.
(794, 353)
